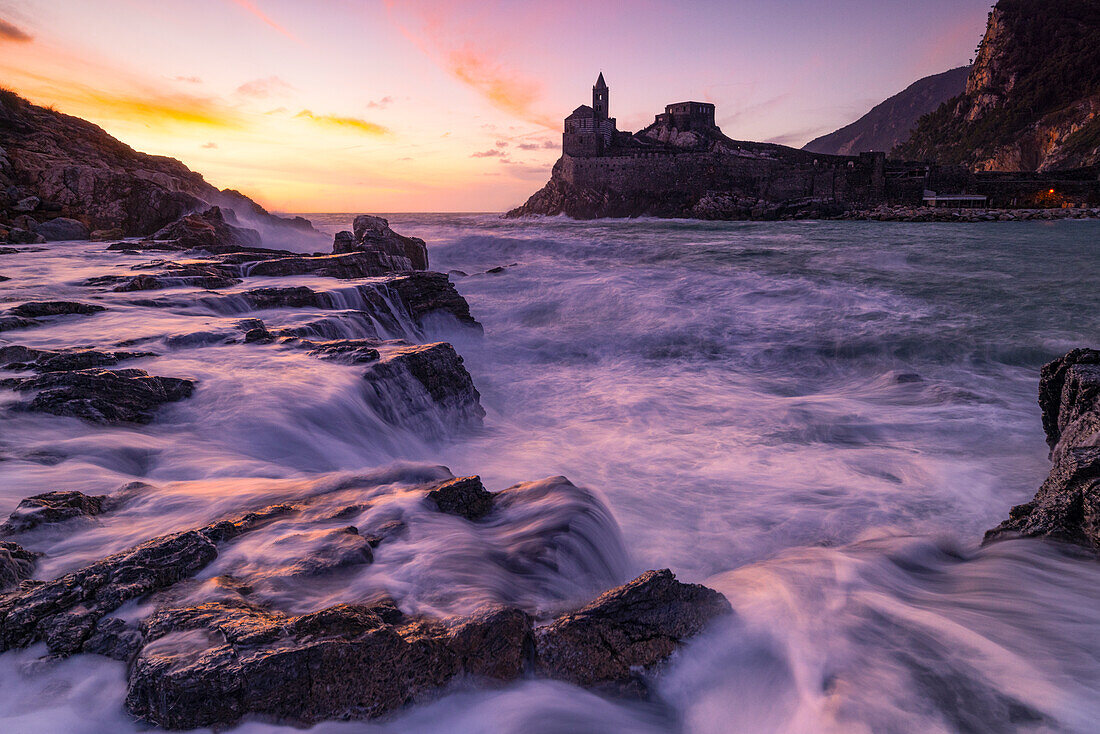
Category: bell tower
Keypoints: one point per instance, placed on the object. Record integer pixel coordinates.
(601, 99)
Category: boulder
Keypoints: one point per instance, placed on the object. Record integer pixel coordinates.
(465, 497)
(51, 508)
(102, 396)
(209, 230)
(38, 309)
(103, 235)
(632, 627)
(63, 228)
(346, 351)
(1068, 389)
(424, 293)
(26, 204)
(50, 360)
(18, 236)
(373, 234)
(407, 380)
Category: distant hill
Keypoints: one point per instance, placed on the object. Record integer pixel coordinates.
(892, 122)
(1032, 101)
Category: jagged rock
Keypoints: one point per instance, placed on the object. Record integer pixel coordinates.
(48, 360)
(1066, 507)
(465, 497)
(345, 266)
(347, 351)
(634, 626)
(337, 550)
(102, 396)
(209, 231)
(424, 293)
(113, 638)
(288, 297)
(64, 612)
(439, 372)
(16, 564)
(38, 309)
(208, 281)
(50, 508)
(373, 234)
(494, 642)
(62, 228)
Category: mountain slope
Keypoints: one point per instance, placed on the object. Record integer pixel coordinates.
(1032, 101)
(893, 121)
(75, 169)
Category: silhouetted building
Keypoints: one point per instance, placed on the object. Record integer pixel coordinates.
(589, 130)
(688, 116)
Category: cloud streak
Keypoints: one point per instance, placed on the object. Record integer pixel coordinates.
(13, 33)
(264, 88)
(351, 124)
(251, 8)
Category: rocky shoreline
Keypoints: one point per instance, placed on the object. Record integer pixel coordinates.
(210, 652)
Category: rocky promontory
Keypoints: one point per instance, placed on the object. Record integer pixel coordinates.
(63, 178)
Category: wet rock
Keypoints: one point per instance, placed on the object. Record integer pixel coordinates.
(494, 642)
(61, 229)
(39, 309)
(465, 497)
(438, 379)
(113, 638)
(65, 612)
(255, 332)
(1066, 507)
(51, 508)
(102, 396)
(18, 236)
(341, 662)
(335, 551)
(208, 281)
(211, 230)
(16, 564)
(424, 293)
(634, 626)
(346, 351)
(289, 297)
(373, 234)
(1068, 389)
(49, 360)
(10, 323)
(345, 266)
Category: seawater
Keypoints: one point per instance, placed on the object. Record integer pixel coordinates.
(818, 419)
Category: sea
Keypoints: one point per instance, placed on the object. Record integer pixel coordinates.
(818, 419)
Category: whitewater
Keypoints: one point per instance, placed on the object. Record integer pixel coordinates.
(818, 419)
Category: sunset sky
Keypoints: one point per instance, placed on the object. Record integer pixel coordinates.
(453, 106)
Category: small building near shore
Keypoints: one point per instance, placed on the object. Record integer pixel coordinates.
(955, 201)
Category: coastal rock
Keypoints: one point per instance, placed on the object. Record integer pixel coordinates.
(410, 384)
(345, 266)
(1067, 505)
(632, 627)
(63, 228)
(9, 323)
(16, 564)
(64, 612)
(495, 642)
(465, 497)
(26, 204)
(424, 293)
(102, 396)
(373, 234)
(209, 231)
(17, 357)
(19, 236)
(51, 508)
(347, 351)
(39, 309)
(104, 235)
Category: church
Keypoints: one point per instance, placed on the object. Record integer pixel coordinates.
(591, 131)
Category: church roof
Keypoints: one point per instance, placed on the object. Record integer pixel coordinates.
(583, 111)
(600, 82)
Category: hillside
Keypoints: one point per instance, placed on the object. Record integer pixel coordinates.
(55, 165)
(1032, 101)
(891, 122)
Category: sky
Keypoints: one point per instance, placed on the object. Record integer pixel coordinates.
(391, 106)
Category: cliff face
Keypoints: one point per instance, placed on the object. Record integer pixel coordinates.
(54, 165)
(892, 122)
(1032, 100)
